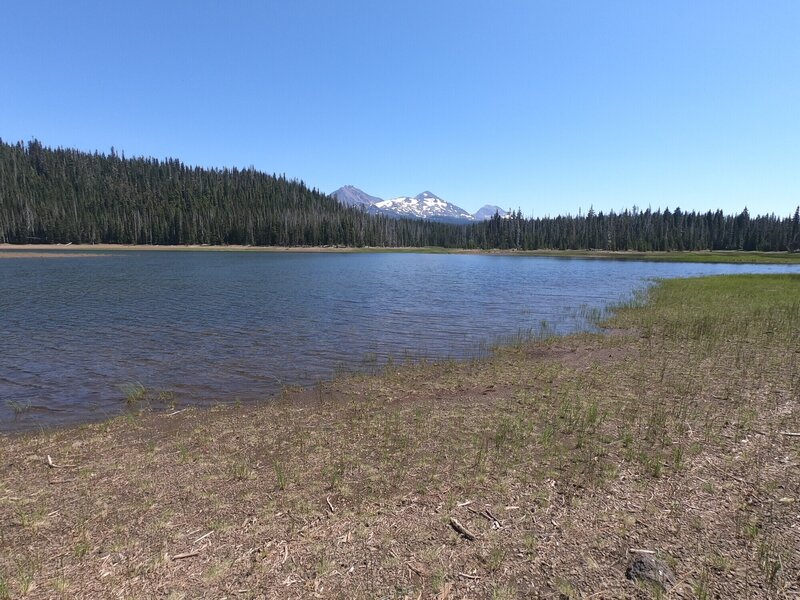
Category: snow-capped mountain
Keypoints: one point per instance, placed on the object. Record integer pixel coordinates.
(426, 205)
(487, 211)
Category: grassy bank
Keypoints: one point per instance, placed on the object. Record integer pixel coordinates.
(561, 458)
(722, 256)
(717, 256)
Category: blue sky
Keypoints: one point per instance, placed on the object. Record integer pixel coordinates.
(548, 106)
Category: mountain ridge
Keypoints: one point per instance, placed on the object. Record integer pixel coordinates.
(425, 205)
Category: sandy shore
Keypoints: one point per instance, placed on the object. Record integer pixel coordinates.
(208, 248)
(721, 256)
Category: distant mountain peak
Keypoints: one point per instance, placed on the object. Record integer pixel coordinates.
(350, 195)
(425, 205)
(488, 211)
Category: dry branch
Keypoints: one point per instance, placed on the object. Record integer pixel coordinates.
(52, 465)
(461, 529)
(486, 514)
(202, 537)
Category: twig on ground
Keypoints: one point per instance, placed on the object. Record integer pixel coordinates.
(185, 555)
(202, 537)
(486, 514)
(52, 465)
(328, 500)
(495, 521)
(454, 523)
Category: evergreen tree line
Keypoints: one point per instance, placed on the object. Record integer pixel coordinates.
(64, 195)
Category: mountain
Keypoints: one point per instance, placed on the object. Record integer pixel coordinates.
(350, 195)
(487, 211)
(426, 206)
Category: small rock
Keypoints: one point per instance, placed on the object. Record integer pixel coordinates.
(648, 568)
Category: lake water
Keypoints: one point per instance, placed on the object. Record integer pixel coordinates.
(214, 327)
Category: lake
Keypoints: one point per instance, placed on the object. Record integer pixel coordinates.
(210, 327)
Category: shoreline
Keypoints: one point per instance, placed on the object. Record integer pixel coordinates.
(710, 256)
(660, 435)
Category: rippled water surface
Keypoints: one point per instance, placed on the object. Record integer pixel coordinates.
(219, 326)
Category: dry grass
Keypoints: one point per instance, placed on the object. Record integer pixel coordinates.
(560, 456)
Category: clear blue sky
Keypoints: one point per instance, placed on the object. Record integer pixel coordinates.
(546, 106)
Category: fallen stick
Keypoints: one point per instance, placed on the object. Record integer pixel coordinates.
(461, 529)
(468, 576)
(486, 515)
(52, 465)
(790, 433)
(185, 555)
(492, 518)
(640, 551)
(202, 537)
(328, 500)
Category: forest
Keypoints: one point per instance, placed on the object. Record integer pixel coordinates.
(62, 195)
